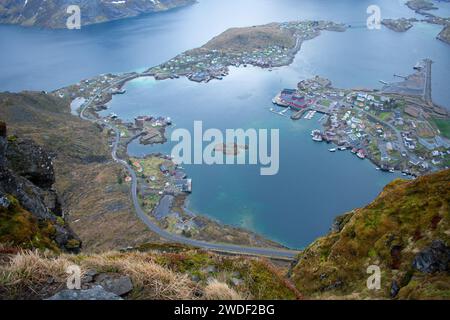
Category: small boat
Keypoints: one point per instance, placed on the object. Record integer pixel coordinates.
(343, 148)
(332, 150)
(377, 168)
(392, 171)
(318, 138)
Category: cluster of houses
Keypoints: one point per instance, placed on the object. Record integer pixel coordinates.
(366, 100)
(178, 177)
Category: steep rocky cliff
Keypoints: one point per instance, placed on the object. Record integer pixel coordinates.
(85, 176)
(30, 212)
(53, 13)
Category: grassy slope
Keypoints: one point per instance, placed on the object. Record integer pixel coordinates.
(18, 227)
(443, 126)
(160, 273)
(389, 232)
(87, 180)
(251, 38)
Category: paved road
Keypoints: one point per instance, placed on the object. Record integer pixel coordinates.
(427, 90)
(284, 254)
(393, 128)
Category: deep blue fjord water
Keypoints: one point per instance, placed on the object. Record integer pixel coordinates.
(313, 186)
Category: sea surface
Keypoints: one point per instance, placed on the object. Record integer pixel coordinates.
(313, 185)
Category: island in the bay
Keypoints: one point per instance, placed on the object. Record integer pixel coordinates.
(423, 8)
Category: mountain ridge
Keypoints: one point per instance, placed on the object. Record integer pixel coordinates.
(53, 13)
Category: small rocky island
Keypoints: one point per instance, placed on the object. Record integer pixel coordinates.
(419, 5)
(399, 25)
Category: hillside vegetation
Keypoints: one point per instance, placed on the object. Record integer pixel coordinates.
(250, 39)
(405, 232)
(80, 154)
(53, 13)
(161, 273)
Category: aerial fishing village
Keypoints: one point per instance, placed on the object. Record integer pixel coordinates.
(398, 128)
(266, 46)
(163, 186)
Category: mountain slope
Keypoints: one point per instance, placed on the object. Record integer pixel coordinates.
(405, 231)
(53, 13)
(30, 212)
(80, 154)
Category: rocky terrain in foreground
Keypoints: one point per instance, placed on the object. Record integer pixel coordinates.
(404, 232)
(30, 211)
(53, 13)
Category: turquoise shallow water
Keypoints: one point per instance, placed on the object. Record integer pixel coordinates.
(313, 186)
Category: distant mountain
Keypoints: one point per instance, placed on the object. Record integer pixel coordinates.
(53, 13)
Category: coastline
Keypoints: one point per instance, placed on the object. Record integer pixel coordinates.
(392, 127)
(101, 89)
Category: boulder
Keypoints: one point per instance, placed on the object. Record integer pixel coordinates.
(94, 293)
(89, 276)
(434, 258)
(237, 282)
(395, 288)
(31, 161)
(4, 202)
(117, 285)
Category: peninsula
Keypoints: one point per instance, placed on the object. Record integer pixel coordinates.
(397, 127)
(266, 46)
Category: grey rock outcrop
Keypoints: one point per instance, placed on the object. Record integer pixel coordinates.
(435, 258)
(27, 174)
(119, 286)
(94, 293)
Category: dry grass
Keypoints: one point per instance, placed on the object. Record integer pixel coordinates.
(38, 275)
(151, 280)
(216, 290)
(252, 38)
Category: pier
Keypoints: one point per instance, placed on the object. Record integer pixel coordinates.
(427, 90)
(299, 114)
(400, 76)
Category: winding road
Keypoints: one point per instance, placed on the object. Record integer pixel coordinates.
(283, 254)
